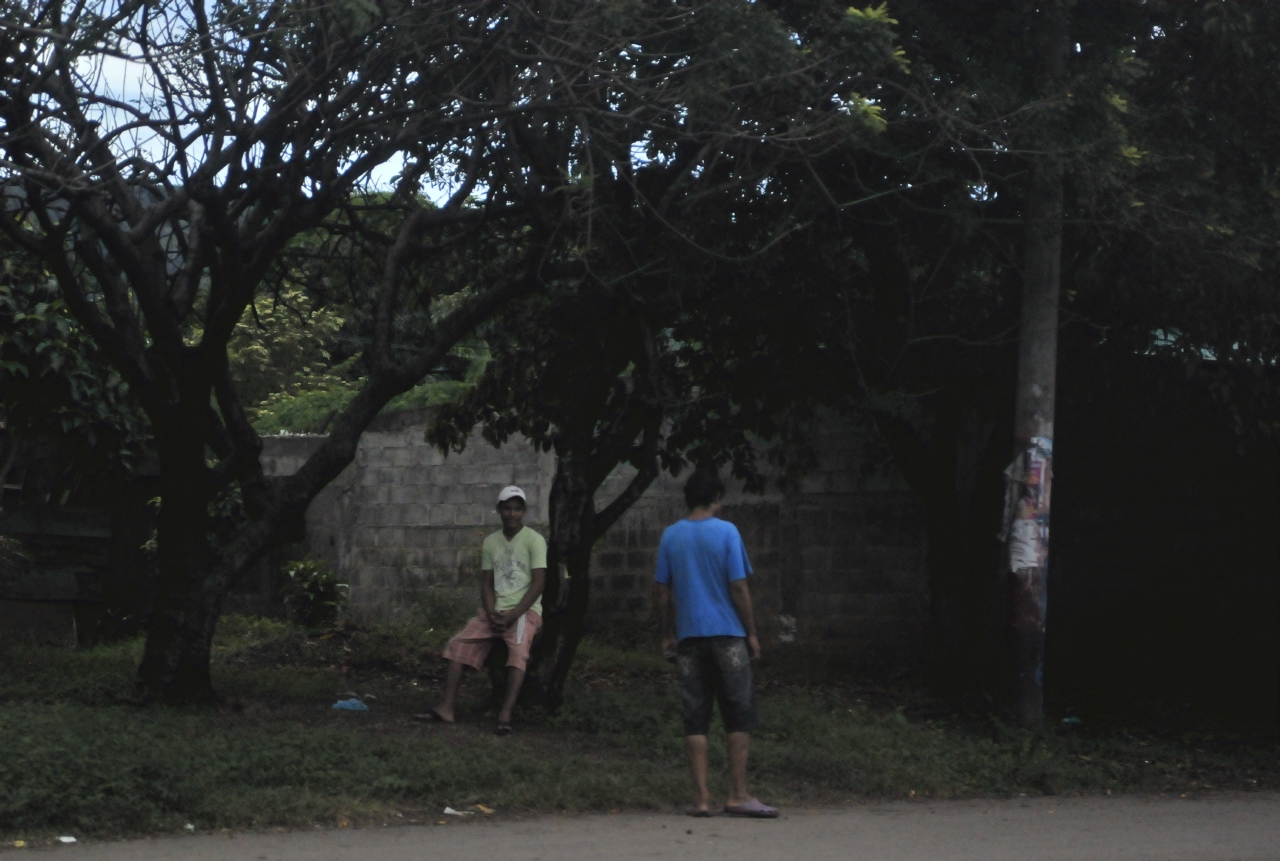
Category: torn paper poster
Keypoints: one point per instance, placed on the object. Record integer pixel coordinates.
(1024, 545)
(1027, 489)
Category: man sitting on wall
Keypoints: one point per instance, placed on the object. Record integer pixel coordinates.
(513, 570)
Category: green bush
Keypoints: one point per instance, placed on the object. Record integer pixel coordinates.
(314, 596)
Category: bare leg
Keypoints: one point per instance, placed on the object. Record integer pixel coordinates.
(451, 683)
(515, 678)
(696, 747)
(739, 743)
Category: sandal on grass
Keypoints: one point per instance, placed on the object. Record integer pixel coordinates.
(753, 809)
(503, 728)
(430, 716)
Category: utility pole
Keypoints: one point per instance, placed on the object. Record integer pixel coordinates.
(1029, 477)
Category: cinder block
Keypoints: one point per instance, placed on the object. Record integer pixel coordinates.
(389, 537)
(470, 515)
(764, 559)
(639, 559)
(413, 557)
(894, 605)
(442, 515)
(402, 495)
(432, 494)
(615, 539)
(529, 476)
(483, 494)
(380, 578)
(389, 558)
(409, 475)
(453, 536)
(500, 475)
(607, 606)
(472, 473)
(417, 536)
(831, 579)
(444, 476)
(377, 458)
(456, 494)
(417, 514)
(815, 558)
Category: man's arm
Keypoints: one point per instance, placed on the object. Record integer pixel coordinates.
(537, 581)
(662, 600)
(741, 596)
(488, 596)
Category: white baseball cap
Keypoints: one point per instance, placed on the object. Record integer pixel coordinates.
(510, 492)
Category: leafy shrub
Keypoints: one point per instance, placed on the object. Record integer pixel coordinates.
(311, 411)
(314, 596)
(280, 347)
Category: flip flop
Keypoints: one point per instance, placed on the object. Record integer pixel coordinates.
(503, 728)
(698, 813)
(753, 809)
(430, 716)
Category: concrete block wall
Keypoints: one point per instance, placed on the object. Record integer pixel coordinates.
(839, 559)
(403, 518)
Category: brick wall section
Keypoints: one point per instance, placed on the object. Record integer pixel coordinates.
(839, 560)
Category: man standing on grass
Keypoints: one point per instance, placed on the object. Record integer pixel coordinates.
(513, 571)
(703, 566)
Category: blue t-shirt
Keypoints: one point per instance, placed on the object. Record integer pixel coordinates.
(698, 559)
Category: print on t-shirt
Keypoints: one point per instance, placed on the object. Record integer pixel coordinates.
(508, 574)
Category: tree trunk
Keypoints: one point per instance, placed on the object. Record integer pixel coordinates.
(572, 538)
(175, 661)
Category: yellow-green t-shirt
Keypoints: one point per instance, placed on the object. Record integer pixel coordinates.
(512, 563)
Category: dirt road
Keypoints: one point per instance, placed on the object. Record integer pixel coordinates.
(1218, 828)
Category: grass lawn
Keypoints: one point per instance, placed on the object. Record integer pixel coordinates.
(80, 757)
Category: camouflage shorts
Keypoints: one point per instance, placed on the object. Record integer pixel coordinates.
(716, 668)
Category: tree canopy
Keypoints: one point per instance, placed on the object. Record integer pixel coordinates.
(165, 211)
(716, 215)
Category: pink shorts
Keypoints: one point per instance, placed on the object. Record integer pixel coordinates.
(471, 645)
